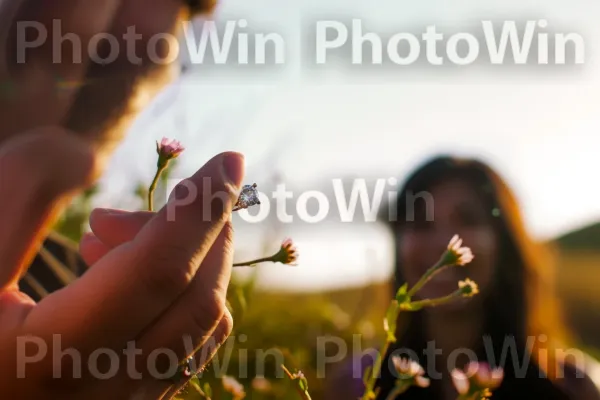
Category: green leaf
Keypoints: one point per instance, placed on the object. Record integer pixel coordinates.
(303, 384)
(402, 294)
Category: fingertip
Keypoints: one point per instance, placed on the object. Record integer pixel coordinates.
(95, 215)
(89, 240)
(86, 237)
(91, 248)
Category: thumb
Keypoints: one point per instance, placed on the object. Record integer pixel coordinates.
(39, 171)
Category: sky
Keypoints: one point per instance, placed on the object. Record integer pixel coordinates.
(537, 125)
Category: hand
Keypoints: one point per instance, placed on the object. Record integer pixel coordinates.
(158, 280)
(96, 101)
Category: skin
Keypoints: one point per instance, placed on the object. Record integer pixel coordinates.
(457, 210)
(146, 269)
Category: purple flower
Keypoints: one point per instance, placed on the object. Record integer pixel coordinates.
(169, 148)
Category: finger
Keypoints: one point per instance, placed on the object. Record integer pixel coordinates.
(110, 228)
(92, 249)
(184, 329)
(115, 227)
(38, 172)
(188, 323)
(44, 70)
(135, 283)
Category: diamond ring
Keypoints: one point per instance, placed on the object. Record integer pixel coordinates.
(248, 197)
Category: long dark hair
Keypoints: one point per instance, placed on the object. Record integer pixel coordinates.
(519, 304)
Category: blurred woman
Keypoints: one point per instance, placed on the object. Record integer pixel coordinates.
(514, 322)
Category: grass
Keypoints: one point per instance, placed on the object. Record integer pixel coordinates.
(291, 322)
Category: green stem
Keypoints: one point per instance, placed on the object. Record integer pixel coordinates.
(438, 301)
(253, 262)
(152, 187)
(397, 391)
(198, 389)
(431, 272)
(303, 393)
(370, 385)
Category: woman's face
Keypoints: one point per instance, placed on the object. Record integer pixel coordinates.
(456, 210)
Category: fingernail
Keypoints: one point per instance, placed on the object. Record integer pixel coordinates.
(233, 168)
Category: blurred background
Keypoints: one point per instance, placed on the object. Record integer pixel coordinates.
(304, 126)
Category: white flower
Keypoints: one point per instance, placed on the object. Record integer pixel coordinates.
(421, 381)
(458, 255)
(410, 369)
(460, 381)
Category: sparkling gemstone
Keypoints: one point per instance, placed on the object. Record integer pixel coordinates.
(248, 197)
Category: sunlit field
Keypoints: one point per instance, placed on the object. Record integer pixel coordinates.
(293, 322)
(314, 200)
(299, 330)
